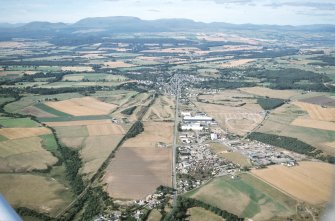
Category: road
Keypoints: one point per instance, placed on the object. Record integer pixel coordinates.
(174, 148)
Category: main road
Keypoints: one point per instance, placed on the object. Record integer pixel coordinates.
(176, 88)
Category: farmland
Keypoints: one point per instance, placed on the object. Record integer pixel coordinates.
(88, 115)
(150, 167)
(82, 106)
(20, 190)
(310, 181)
(245, 196)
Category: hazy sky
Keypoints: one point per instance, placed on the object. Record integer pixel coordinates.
(293, 12)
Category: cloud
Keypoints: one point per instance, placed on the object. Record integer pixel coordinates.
(313, 5)
(153, 10)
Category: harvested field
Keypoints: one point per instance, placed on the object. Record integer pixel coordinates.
(78, 123)
(263, 91)
(317, 112)
(104, 129)
(140, 165)
(95, 151)
(200, 214)
(72, 131)
(82, 106)
(162, 109)
(78, 69)
(323, 125)
(72, 142)
(320, 100)
(238, 120)
(35, 192)
(245, 196)
(15, 133)
(26, 154)
(117, 64)
(235, 63)
(35, 111)
(311, 182)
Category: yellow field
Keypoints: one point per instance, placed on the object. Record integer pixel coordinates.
(35, 192)
(235, 63)
(317, 112)
(323, 125)
(104, 129)
(117, 64)
(26, 154)
(15, 133)
(263, 91)
(311, 182)
(140, 165)
(78, 69)
(82, 106)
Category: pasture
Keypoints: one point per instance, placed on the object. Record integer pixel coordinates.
(42, 194)
(245, 196)
(141, 165)
(235, 157)
(311, 182)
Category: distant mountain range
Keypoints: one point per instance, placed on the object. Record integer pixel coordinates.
(125, 24)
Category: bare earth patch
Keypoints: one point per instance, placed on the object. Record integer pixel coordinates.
(311, 182)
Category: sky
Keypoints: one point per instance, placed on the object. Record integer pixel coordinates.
(282, 12)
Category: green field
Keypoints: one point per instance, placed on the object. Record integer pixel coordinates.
(51, 110)
(18, 122)
(245, 196)
(49, 142)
